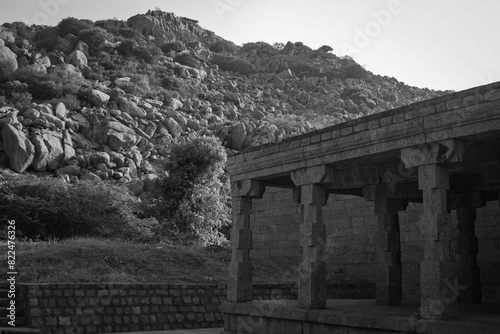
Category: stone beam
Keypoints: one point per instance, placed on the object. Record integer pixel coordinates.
(312, 270)
(313, 175)
(240, 268)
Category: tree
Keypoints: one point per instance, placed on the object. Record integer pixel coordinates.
(190, 202)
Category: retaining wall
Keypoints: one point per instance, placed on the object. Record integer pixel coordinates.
(112, 308)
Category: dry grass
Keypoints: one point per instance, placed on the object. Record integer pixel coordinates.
(89, 260)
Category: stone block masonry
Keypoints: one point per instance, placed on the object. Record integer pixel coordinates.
(112, 308)
(351, 226)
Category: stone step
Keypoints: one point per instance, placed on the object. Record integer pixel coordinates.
(18, 330)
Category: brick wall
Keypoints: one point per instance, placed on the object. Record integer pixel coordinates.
(112, 308)
(351, 244)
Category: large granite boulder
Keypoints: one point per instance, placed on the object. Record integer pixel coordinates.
(17, 147)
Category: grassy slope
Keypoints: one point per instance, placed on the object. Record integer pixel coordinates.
(104, 261)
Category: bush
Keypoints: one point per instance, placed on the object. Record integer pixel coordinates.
(71, 25)
(46, 86)
(223, 46)
(353, 69)
(234, 64)
(190, 203)
(262, 48)
(93, 37)
(172, 46)
(47, 208)
(186, 59)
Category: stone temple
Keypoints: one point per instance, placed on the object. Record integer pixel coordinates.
(406, 199)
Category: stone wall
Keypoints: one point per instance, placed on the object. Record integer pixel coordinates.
(112, 308)
(351, 244)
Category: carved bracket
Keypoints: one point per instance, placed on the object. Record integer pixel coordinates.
(446, 151)
(313, 175)
(248, 188)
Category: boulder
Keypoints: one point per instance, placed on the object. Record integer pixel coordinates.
(117, 158)
(51, 150)
(123, 140)
(7, 35)
(17, 147)
(175, 104)
(130, 107)
(90, 177)
(238, 136)
(71, 170)
(60, 110)
(100, 157)
(136, 156)
(136, 187)
(8, 62)
(41, 157)
(77, 58)
(82, 47)
(181, 120)
(98, 98)
(173, 127)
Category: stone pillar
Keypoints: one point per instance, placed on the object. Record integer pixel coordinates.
(467, 246)
(438, 270)
(388, 278)
(240, 268)
(312, 270)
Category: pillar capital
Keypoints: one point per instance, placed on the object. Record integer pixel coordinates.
(313, 175)
(248, 188)
(446, 151)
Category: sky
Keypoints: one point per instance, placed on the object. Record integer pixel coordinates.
(438, 44)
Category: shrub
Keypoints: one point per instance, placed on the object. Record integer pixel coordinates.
(46, 208)
(127, 47)
(93, 37)
(172, 46)
(190, 203)
(351, 69)
(223, 46)
(262, 48)
(186, 59)
(71, 25)
(46, 86)
(355, 71)
(304, 69)
(234, 64)
(325, 48)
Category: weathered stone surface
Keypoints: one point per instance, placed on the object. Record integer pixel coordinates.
(238, 136)
(98, 98)
(17, 147)
(77, 58)
(130, 107)
(173, 127)
(438, 269)
(123, 140)
(8, 61)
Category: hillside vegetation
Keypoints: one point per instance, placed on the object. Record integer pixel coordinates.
(121, 129)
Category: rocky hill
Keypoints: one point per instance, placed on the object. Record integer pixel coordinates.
(104, 100)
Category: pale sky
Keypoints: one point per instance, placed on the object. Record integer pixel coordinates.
(439, 44)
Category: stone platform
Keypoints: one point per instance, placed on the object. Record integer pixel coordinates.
(345, 316)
